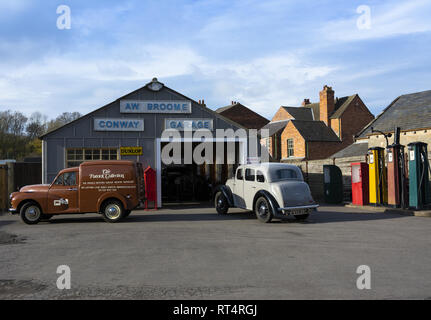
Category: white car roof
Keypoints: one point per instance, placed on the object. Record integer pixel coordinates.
(269, 166)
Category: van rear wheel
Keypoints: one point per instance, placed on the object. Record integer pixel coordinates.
(113, 211)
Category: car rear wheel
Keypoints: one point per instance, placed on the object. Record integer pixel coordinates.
(220, 203)
(302, 216)
(113, 211)
(31, 213)
(263, 210)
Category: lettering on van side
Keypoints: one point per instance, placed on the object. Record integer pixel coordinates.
(106, 174)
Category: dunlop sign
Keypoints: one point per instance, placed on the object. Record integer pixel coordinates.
(141, 106)
(131, 151)
(118, 125)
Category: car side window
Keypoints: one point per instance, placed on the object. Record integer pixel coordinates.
(260, 177)
(239, 175)
(250, 174)
(70, 179)
(59, 180)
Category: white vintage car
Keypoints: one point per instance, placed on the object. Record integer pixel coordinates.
(271, 190)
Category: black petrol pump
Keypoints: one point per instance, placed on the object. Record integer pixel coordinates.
(332, 184)
(397, 180)
(419, 184)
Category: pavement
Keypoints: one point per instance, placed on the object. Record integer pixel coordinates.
(193, 253)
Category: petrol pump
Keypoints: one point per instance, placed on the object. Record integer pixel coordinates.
(419, 185)
(397, 180)
(377, 173)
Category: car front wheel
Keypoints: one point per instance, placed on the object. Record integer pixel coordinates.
(220, 203)
(31, 213)
(263, 210)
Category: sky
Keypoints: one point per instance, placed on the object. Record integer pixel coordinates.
(264, 54)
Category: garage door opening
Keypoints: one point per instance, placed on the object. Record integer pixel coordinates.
(195, 182)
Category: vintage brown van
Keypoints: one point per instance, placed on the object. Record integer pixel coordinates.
(112, 188)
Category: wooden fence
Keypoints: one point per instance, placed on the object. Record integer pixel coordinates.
(13, 176)
(3, 187)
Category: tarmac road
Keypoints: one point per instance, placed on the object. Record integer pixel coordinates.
(193, 253)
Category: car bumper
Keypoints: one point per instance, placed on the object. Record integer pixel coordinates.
(298, 210)
(13, 211)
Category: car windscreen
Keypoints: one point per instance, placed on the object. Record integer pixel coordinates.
(284, 174)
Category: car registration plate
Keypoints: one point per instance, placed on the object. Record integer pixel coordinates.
(299, 212)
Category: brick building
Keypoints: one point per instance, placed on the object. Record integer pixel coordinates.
(316, 130)
(243, 116)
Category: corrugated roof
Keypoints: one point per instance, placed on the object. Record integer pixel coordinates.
(300, 113)
(137, 90)
(409, 112)
(275, 127)
(354, 150)
(315, 131)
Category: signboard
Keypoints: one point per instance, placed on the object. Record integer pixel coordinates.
(141, 106)
(118, 125)
(189, 124)
(131, 151)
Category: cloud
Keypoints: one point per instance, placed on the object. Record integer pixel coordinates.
(387, 20)
(262, 82)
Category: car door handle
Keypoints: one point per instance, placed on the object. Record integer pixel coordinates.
(72, 189)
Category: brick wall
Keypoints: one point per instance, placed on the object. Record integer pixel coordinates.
(313, 174)
(322, 150)
(281, 114)
(353, 120)
(290, 132)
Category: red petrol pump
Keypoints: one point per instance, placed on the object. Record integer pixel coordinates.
(397, 180)
(360, 184)
(150, 187)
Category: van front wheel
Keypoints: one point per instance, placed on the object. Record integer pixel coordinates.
(112, 211)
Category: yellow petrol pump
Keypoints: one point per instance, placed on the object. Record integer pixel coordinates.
(377, 172)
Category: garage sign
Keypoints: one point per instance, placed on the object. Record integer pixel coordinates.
(131, 151)
(189, 124)
(141, 106)
(118, 125)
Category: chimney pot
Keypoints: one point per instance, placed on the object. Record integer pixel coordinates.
(305, 102)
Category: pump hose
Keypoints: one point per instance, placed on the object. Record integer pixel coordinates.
(423, 173)
(380, 179)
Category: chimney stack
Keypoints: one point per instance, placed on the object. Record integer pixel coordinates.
(327, 104)
(305, 102)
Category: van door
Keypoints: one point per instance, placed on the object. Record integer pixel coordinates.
(238, 189)
(63, 194)
(249, 187)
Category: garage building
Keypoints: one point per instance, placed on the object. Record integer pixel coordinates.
(131, 127)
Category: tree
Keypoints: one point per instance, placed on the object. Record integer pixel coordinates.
(62, 119)
(36, 125)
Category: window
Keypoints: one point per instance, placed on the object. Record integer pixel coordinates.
(74, 157)
(59, 180)
(70, 179)
(66, 179)
(260, 177)
(239, 175)
(290, 151)
(284, 174)
(250, 174)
